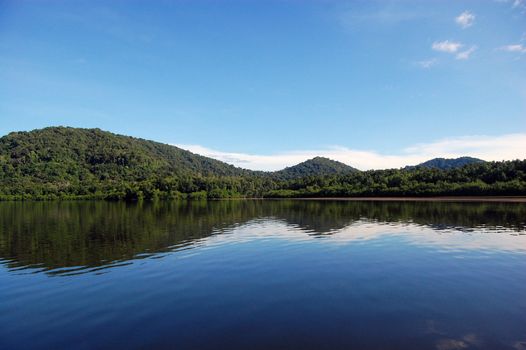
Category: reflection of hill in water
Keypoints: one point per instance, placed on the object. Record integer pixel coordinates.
(55, 235)
(324, 217)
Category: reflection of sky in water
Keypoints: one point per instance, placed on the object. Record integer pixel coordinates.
(270, 282)
(364, 232)
(479, 238)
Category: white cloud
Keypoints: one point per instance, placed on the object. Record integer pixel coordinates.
(518, 3)
(453, 47)
(505, 147)
(465, 19)
(514, 48)
(464, 55)
(510, 146)
(446, 46)
(427, 63)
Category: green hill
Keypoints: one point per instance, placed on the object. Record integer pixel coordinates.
(67, 161)
(315, 167)
(93, 154)
(76, 162)
(73, 153)
(448, 163)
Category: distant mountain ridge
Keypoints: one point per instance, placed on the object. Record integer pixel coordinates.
(447, 163)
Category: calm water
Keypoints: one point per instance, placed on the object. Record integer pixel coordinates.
(263, 274)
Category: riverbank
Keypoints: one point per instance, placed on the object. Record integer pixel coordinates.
(508, 199)
(497, 199)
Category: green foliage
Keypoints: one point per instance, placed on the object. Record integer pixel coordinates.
(70, 163)
(314, 167)
(201, 195)
(477, 179)
(445, 163)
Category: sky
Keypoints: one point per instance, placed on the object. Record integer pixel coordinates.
(268, 84)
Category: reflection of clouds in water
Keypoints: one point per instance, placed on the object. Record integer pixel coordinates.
(431, 327)
(468, 341)
(451, 239)
(455, 344)
(463, 343)
(482, 238)
(451, 343)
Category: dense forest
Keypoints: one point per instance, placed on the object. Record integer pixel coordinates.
(65, 163)
(445, 164)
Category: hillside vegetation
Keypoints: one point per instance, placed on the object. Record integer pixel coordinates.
(314, 167)
(448, 163)
(61, 162)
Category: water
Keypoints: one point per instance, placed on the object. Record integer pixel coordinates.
(263, 274)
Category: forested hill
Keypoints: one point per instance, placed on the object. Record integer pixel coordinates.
(62, 162)
(448, 163)
(314, 167)
(84, 161)
(73, 153)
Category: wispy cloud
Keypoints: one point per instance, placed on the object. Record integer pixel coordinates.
(464, 55)
(465, 19)
(426, 64)
(453, 47)
(516, 4)
(517, 48)
(447, 46)
(511, 146)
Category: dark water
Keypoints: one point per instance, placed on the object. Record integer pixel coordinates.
(263, 275)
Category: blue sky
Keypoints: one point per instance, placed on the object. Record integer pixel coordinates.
(264, 84)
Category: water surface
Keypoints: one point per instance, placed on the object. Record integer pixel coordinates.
(263, 274)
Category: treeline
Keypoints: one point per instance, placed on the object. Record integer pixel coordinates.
(72, 163)
(172, 187)
(507, 178)
(484, 179)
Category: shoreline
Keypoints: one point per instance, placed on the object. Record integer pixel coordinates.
(503, 199)
(452, 199)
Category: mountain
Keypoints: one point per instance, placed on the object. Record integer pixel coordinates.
(74, 154)
(447, 163)
(313, 167)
